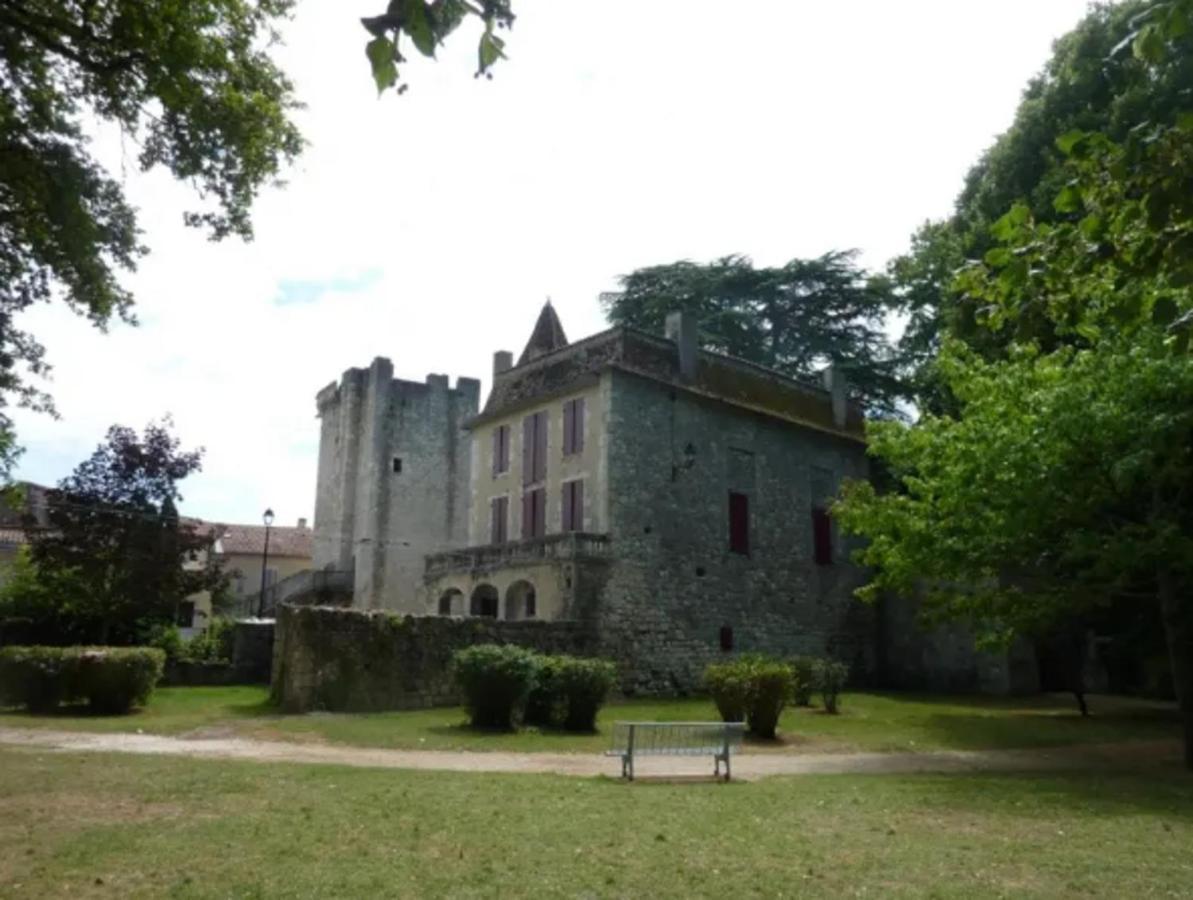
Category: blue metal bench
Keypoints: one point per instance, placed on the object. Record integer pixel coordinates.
(716, 739)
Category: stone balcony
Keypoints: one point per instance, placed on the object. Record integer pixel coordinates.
(575, 546)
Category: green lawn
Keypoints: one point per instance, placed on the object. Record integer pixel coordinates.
(867, 722)
(83, 825)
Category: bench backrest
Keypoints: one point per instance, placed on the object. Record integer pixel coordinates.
(676, 738)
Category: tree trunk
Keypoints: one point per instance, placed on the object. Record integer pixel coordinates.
(1178, 629)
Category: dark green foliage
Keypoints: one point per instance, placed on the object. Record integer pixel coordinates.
(114, 562)
(804, 684)
(752, 688)
(583, 684)
(830, 677)
(496, 680)
(115, 679)
(37, 678)
(166, 638)
(545, 706)
(111, 679)
(793, 318)
(189, 84)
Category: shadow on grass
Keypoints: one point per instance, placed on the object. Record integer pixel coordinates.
(1029, 729)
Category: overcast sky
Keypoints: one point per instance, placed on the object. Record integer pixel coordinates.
(430, 228)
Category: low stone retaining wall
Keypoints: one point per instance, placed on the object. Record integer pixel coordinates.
(249, 648)
(356, 661)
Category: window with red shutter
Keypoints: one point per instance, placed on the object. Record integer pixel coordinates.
(528, 450)
(572, 506)
(534, 513)
(540, 446)
(501, 450)
(822, 536)
(499, 521)
(739, 523)
(573, 426)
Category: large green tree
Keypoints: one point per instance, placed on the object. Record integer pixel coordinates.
(116, 558)
(795, 318)
(1094, 82)
(1062, 480)
(189, 83)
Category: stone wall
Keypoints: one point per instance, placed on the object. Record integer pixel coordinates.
(673, 583)
(357, 661)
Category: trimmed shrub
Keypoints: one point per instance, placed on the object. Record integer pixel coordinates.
(729, 685)
(166, 638)
(111, 679)
(37, 678)
(115, 679)
(545, 706)
(770, 689)
(213, 644)
(804, 668)
(496, 680)
(830, 680)
(753, 689)
(583, 684)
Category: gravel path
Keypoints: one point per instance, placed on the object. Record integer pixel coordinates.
(748, 766)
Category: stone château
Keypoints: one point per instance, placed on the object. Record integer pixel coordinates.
(671, 500)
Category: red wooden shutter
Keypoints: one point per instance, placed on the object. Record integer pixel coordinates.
(528, 450)
(578, 426)
(739, 523)
(540, 446)
(578, 505)
(822, 536)
(497, 451)
(540, 512)
(565, 519)
(527, 515)
(569, 415)
(500, 516)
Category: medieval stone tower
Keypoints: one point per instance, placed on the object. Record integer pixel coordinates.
(393, 484)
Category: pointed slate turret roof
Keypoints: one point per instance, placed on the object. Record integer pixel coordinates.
(547, 336)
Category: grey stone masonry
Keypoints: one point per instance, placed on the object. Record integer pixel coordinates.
(394, 463)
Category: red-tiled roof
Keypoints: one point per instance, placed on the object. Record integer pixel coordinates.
(250, 539)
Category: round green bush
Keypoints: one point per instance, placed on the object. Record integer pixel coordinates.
(804, 669)
(729, 685)
(546, 705)
(111, 679)
(830, 677)
(770, 689)
(496, 680)
(584, 684)
(115, 679)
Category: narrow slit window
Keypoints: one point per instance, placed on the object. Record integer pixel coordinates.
(739, 523)
(822, 536)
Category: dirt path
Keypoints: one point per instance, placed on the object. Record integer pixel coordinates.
(746, 766)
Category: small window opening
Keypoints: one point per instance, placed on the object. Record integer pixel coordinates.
(727, 638)
(397, 465)
(700, 571)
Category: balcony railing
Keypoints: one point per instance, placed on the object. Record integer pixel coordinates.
(574, 545)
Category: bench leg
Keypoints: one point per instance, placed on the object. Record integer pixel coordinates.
(627, 766)
(726, 758)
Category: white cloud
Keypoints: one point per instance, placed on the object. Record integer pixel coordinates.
(616, 135)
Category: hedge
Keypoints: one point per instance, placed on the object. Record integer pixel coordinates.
(111, 679)
(563, 691)
(830, 677)
(752, 688)
(496, 680)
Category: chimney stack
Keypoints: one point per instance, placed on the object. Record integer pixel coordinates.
(502, 360)
(838, 388)
(681, 328)
(302, 523)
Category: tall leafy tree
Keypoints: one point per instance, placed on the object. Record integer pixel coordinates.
(1063, 481)
(190, 83)
(794, 318)
(1094, 82)
(116, 557)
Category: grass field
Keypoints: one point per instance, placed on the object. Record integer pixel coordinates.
(867, 722)
(85, 826)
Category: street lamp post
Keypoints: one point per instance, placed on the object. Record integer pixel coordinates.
(267, 518)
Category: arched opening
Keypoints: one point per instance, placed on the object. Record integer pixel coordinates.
(520, 601)
(451, 602)
(484, 601)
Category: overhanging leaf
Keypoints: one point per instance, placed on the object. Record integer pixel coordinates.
(380, 52)
(418, 26)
